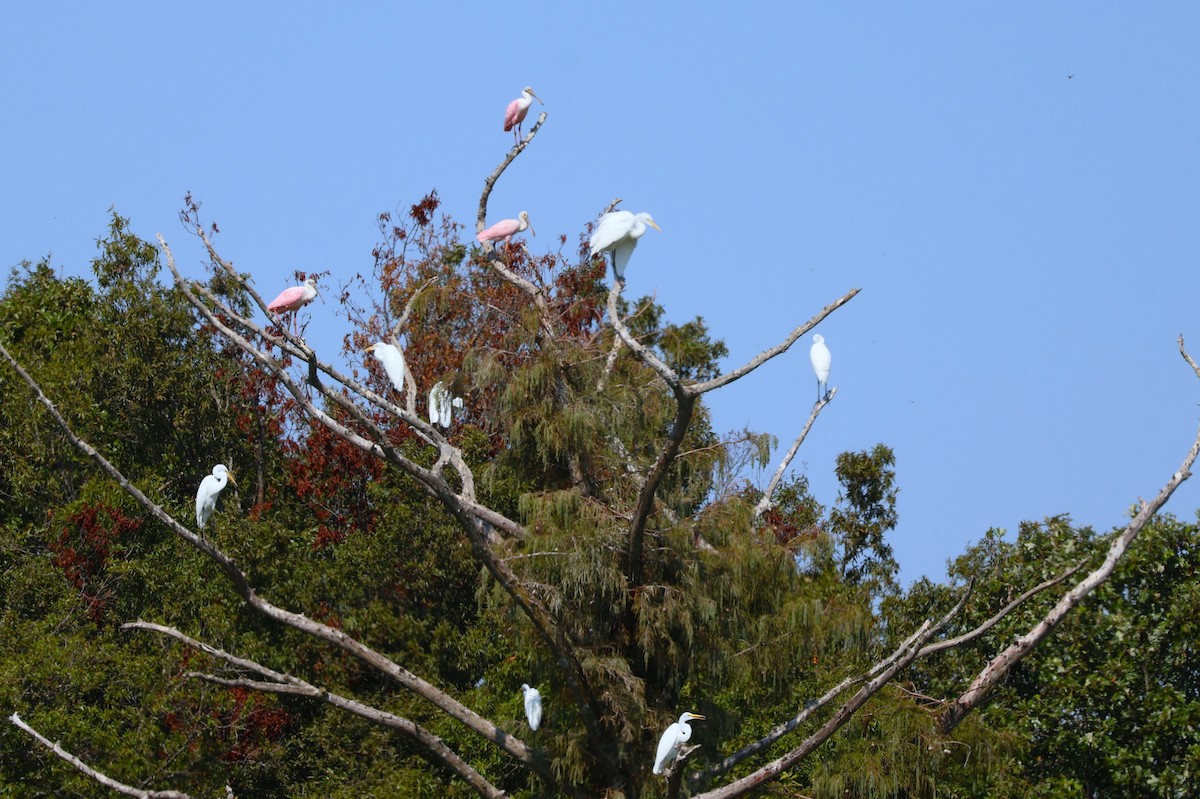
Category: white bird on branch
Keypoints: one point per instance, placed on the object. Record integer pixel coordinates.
(533, 705)
(672, 741)
(392, 358)
(618, 232)
(206, 496)
(821, 359)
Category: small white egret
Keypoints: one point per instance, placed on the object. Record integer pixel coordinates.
(672, 741)
(619, 232)
(392, 358)
(533, 705)
(821, 359)
(441, 405)
(210, 486)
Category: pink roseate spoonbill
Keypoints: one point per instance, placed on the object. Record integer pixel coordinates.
(514, 115)
(533, 706)
(506, 228)
(294, 298)
(392, 358)
(619, 231)
(821, 359)
(206, 497)
(672, 741)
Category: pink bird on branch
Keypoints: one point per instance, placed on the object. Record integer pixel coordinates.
(294, 298)
(505, 229)
(514, 115)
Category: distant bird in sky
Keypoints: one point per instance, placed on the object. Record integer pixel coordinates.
(441, 405)
(672, 741)
(392, 358)
(506, 228)
(619, 232)
(514, 115)
(206, 496)
(533, 705)
(294, 298)
(821, 359)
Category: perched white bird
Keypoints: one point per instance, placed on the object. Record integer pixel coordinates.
(672, 740)
(533, 705)
(441, 405)
(392, 358)
(820, 357)
(210, 486)
(619, 231)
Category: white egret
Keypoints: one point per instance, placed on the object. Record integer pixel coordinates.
(672, 741)
(821, 359)
(210, 486)
(619, 231)
(441, 405)
(392, 358)
(533, 705)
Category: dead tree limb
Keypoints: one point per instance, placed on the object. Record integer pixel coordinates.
(91, 773)
(281, 683)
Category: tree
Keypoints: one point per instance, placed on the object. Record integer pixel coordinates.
(582, 530)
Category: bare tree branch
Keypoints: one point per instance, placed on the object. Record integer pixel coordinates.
(765, 504)
(278, 682)
(763, 357)
(490, 181)
(1000, 665)
(476, 520)
(93, 774)
(951, 643)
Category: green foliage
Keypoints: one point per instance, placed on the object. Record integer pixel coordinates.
(745, 620)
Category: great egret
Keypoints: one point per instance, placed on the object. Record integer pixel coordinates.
(506, 229)
(820, 357)
(392, 359)
(210, 486)
(294, 298)
(619, 231)
(672, 740)
(514, 115)
(441, 405)
(533, 705)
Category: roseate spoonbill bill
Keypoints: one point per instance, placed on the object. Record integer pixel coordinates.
(294, 298)
(619, 232)
(506, 228)
(392, 358)
(533, 705)
(441, 405)
(206, 497)
(672, 741)
(821, 359)
(514, 115)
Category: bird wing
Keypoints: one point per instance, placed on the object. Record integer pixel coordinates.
(533, 708)
(611, 228)
(668, 747)
(206, 499)
(503, 228)
(512, 114)
(286, 299)
(621, 254)
(821, 361)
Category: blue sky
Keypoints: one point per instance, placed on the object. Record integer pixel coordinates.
(1025, 241)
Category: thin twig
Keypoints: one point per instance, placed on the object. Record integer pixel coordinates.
(766, 503)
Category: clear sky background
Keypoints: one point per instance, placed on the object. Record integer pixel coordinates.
(1013, 186)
